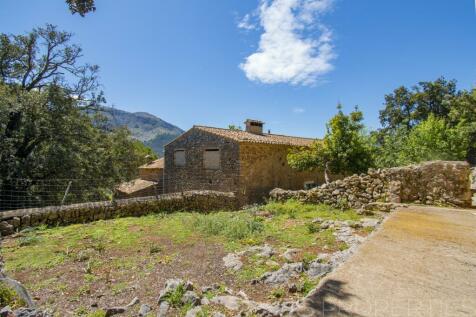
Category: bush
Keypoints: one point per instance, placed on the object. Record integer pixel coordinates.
(235, 227)
(8, 297)
(28, 240)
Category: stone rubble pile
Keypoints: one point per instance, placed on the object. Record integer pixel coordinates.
(431, 183)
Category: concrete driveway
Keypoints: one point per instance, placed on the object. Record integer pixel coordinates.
(422, 262)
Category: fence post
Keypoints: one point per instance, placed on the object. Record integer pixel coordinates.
(66, 192)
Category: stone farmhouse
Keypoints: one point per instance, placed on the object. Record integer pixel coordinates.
(149, 183)
(249, 163)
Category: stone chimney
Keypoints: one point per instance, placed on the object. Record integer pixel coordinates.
(254, 126)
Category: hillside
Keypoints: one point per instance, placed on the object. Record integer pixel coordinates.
(149, 129)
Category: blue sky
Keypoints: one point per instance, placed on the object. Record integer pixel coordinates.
(180, 59)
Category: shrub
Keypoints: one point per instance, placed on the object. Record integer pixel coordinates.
(8, 297)
(312, 227)
(174, 298)
(97, 313)
(234, 227)
(154, 249)
(28, 240)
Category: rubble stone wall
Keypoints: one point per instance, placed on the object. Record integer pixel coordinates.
(430, 183)
(12, 221)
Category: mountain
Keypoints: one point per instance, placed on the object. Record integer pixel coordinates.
(149, 129)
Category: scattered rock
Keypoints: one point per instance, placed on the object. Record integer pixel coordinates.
(290, 254)
(218, 314)
(6, 312)
(163, 309)
(265, 251)
(318, 269)
(30, 312)
(369, 222)
(114, 311)
(230, 302)
(194, 311)
(232, 261)
(171, 285)
(144, 310)
(191, 298)
(282, 275)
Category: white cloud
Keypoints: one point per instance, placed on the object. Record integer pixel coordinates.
(287, 53)
(247, 22)
(299, 110)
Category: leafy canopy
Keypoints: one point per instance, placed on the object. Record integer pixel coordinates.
(49, 126)
(344, 149)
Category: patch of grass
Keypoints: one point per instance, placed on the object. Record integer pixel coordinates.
(118, 288)
(97, 313)
(233, 226)
(312, 227)
(278, 293)
(9, 297)
(306, 285)
(154, 249)
(30, 239)
(174, 298)
(309, 211)
(81, 311)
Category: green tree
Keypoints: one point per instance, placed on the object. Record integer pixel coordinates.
(408, 107)
(345, 148)
(435, 139)
(82, 7)
(46, 128)
(405, 109)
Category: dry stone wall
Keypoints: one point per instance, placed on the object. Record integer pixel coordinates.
(12, 221)
(431, 183)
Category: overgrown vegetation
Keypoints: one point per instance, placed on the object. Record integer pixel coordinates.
(115, 255)
(430, 121)
(289, 226)
(8, 297)
(50, 127)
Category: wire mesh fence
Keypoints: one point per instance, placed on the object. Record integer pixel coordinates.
(37, 193)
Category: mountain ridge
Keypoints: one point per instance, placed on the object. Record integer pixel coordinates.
(145, 127)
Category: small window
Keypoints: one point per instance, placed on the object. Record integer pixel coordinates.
(211, 159)
(179, 158)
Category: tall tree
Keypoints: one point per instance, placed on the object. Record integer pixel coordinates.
(82, 7)
(345, 148)
(47, 99)
(408, 107)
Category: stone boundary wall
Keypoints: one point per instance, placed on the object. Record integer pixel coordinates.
(12, 221)
(430, 183)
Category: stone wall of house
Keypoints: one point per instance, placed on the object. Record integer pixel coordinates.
(194, 175)
(151, 174)
(265, 166)
(431, 183)
(12, 221)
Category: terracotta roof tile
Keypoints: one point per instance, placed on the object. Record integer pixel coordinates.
(154, 164)
(135, 185)
(243, 136)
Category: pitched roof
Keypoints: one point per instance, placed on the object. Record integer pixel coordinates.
(154, 164)
(135, 185)
(243, 136)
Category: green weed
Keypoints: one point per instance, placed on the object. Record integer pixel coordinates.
(8, 297)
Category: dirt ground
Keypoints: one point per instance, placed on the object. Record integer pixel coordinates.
(75, 270)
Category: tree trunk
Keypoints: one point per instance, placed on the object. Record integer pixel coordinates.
(326, 173)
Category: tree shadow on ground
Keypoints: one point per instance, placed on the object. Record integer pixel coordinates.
(322, 301)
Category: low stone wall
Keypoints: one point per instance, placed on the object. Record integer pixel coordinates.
(12, 221)
(431, 183)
